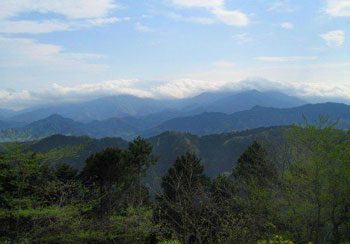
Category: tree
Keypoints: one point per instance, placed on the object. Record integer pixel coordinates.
(255, 182)
(65, 172)
(140, 157)
(42, 203)
(30, 211)
(317, 183)
(182, 202)
(230, 225)
(108, 170)
(254, 166)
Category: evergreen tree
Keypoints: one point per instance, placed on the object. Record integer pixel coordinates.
(140, 157)
(255, 179)
(107, 171)
(184, 193)
(65, 172)
(254, 166)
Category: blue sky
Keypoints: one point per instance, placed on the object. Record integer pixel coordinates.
(68, 50)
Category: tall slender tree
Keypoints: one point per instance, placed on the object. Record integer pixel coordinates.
(184, 193)
(140, 157)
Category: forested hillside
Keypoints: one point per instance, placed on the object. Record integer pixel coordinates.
(273, 185)
(218, 152)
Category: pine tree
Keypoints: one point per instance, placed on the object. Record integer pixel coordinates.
(254, 166)
(140, 157)
(182, 201)
(105, 170)
(255, 179)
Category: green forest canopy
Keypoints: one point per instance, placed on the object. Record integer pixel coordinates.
(299, 195)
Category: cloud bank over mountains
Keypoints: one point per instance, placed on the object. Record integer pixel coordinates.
(176, 89)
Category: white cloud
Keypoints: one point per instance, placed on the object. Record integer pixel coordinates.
(280, 6)
(143, 28)
(319, 89)
(243, 38)
(199, 3)
(114, 87)
(284, 59)
(111, 20)
(311, 74)
(231, 17)
(58, 93)
(186, 87)
(338, 8)
(73, 9)
(216, 7)
(76, 14)
(47, 26)
(334, 38)
(193, 19)
(224, 64)
(33, 27)
(303, 80)
(200, 20)
(287, 25)
(27, 53)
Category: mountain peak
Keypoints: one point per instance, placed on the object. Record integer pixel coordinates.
(56, 117)
(257, 107)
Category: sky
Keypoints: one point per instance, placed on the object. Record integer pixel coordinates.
(72, 50)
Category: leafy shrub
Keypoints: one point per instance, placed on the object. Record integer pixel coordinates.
(276, 240)
(170, 242)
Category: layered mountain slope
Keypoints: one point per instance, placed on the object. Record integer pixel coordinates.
(159, 109)
(99, 109)
(203, 124)
(209, 123)
(218, 152)
(230, 103)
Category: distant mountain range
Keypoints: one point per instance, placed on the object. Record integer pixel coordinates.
(202, 124)
(6, 113)
(219, 153)
(229, 103)
(211, 123)
(130, 106)
(217, 126)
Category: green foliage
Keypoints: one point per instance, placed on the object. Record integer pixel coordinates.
(140, 156)
(253, 166)
(302, 193)
(43, 204)
(276, 240)
(169, 242)
(244, 198)
(317, 184)
(185, 177)
(181, 203)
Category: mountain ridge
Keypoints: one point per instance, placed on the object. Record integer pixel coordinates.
(204, 124)
(258, 116)
(219, 152)
(131, 106)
